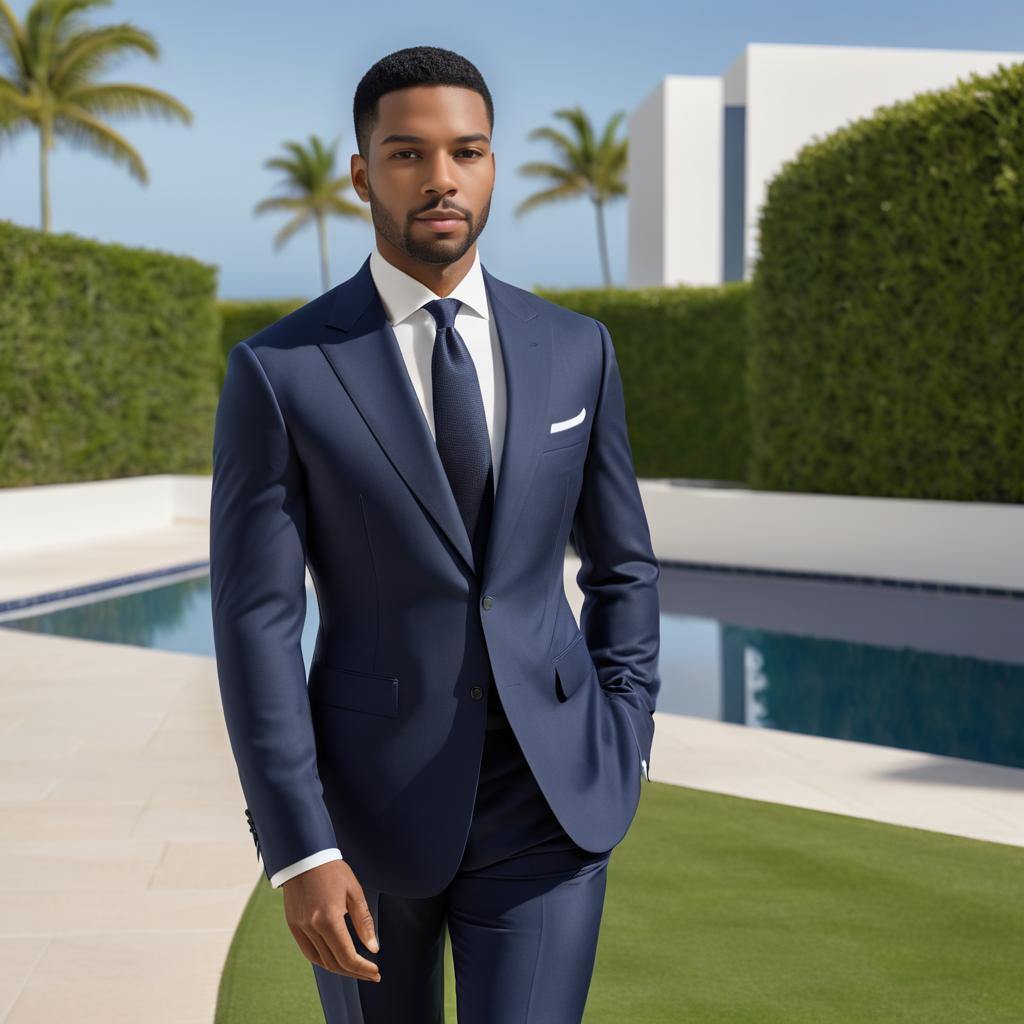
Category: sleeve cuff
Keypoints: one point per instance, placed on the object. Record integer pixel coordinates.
(313, 860)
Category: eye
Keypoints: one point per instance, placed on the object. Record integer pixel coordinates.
(475, 152)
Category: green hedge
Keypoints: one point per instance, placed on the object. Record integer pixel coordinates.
(242, 318)
(109, 359)
(682, 353)
(887, 307)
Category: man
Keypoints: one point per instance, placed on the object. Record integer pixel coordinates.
(425, 437)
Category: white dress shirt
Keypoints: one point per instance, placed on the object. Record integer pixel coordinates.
(402, 297)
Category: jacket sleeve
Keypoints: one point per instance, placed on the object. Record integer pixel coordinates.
(619, 571)
(257, 584)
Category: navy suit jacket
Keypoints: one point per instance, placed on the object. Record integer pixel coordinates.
(322, 457)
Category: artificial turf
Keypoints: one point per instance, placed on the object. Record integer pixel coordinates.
(724, 910)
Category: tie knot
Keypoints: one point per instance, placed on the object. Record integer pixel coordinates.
(443, 311)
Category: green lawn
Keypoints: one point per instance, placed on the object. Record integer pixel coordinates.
(722, 910)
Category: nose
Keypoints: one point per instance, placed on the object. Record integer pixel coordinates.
(439, 174)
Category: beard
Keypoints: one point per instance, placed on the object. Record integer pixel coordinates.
(427, 250)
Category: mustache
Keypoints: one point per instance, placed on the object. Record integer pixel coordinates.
(443, 209)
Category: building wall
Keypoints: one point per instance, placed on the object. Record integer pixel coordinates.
(645, 177)
(703, 149)
(675, 183)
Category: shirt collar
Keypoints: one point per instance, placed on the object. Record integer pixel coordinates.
(401, 294)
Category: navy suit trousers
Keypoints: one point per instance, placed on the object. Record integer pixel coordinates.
(523, 912)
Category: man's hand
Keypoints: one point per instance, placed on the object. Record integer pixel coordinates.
(315, 904)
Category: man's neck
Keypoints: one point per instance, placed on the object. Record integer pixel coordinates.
(440, 278)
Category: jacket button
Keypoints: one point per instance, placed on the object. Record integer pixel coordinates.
(476, 693)
(488, 601)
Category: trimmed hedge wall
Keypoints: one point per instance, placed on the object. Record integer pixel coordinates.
(242, 318)
(109, 359)
(682, 353)
(887, 313)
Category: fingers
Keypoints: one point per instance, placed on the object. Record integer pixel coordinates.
(314, 948)
(306, 945)
(334, 933)
(332, 949)
(362, 921)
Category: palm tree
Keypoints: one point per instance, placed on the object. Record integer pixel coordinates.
(586, 167)
(314, 193)
(49, 67)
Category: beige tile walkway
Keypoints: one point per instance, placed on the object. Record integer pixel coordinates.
(42, 572)
(125, 859)
(124, 855)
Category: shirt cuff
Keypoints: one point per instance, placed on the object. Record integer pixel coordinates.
(313, 860)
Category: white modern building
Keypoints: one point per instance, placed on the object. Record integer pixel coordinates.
(702, 148)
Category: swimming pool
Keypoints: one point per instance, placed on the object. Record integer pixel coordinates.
(926, 668)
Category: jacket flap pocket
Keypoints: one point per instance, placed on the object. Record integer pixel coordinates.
(572, 667)
(357, 691)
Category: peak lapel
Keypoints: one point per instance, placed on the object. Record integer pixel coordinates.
(363, 351)
(525, 339)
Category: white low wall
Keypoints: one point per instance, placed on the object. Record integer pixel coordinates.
(976, 544)
(58, 515)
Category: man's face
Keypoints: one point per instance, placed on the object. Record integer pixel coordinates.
(429, 151)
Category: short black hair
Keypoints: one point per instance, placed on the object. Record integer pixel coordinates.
(415, 65)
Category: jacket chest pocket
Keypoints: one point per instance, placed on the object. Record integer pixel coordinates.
(568, 432)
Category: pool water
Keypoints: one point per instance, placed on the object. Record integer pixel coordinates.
(921, 668)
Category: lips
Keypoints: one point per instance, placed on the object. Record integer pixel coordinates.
(447, 221)
(445, 215)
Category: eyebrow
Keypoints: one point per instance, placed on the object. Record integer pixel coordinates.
(475, 137)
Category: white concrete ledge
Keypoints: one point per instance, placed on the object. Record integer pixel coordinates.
(64, 515)
(959, 543)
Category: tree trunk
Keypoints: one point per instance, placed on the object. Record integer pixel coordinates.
(602, 243)
(44, 176)
(325, 276)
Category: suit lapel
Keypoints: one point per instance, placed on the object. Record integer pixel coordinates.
(525, 339)
(364, 354)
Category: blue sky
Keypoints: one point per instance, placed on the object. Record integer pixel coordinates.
(256, 74)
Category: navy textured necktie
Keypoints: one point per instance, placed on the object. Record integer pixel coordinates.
(460, 426)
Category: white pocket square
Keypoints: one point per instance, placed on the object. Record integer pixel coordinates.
(571, 422)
